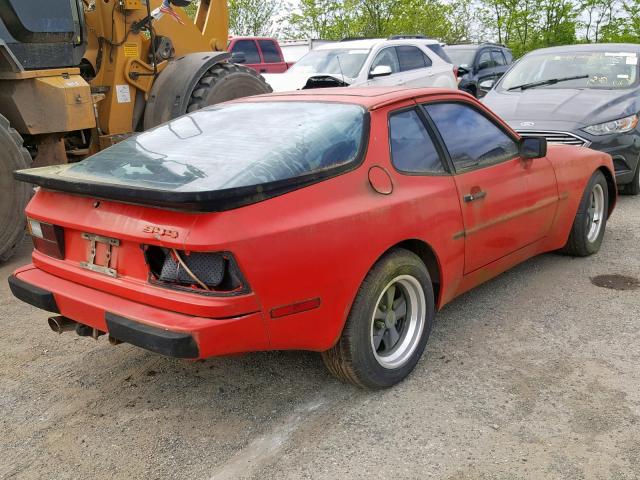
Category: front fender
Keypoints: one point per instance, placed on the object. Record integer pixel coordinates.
(171, 91)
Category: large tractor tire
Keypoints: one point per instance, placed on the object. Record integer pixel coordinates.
(224, 82)
(198, 80)
(14, 195)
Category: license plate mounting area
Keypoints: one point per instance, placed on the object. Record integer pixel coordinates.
(101, 254)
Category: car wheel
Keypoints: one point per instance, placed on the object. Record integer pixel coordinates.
(633, 188)
(388, 325)
(591, 220)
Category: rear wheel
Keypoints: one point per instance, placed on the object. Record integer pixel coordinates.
(590, 222)
(388, 326)
(14, 195)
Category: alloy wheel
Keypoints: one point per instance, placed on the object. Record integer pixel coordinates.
(595, 213)
(397, 322)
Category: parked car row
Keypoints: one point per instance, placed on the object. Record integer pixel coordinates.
(580, 95)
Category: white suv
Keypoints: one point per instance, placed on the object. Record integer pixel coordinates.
(411, 62)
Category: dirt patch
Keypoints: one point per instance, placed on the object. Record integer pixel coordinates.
(616, 282)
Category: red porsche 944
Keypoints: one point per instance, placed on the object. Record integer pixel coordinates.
(337, 221)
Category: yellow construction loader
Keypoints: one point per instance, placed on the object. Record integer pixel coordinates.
(77, 76)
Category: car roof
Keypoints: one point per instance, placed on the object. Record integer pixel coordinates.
(590, 47)
(372, 42)
(474, 46)
(368, 97)
(244, 37)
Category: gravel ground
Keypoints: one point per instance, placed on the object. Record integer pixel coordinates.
(532, 375)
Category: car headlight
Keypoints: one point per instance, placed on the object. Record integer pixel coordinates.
(621, 125)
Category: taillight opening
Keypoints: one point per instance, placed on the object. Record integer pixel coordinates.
(47, 238)
(212, 273)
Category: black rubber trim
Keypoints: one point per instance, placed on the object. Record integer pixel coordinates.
(172, 344)
(36, 296)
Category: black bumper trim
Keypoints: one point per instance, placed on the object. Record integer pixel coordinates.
(36, 296)
(172, 344)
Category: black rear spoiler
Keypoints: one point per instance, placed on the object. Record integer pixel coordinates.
(201, 201)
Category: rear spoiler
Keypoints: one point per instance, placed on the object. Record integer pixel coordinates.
(51, 178)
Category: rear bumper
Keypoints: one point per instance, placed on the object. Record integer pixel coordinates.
(162, 331)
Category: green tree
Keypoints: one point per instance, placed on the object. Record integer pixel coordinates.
(325, 19)
(624, 28)
(254, 17)
(336, 19)
(525, 25)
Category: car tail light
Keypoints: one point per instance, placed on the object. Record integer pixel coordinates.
(202, 272)
(47, 238)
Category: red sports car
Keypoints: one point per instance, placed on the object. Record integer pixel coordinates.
(335, 220)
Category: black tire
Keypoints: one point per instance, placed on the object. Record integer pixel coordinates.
(353, 358)
(633, 188)
(579, 243)
(14, 195)
(224, 82)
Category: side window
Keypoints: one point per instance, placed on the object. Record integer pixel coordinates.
(387, 57)
(412, 149)
(498, 58)
(411, 58)
(250, 50)
(508, 56)
(270, 52)
(438, 50)
(485, 61)
(471, 138)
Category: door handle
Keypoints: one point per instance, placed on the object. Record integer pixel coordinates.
(470, 197)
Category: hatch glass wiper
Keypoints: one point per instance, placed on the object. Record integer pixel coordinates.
(542, 83)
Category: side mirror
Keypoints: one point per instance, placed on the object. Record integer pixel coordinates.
(483, 65)
(484, 87)
(463, 69)
(533, 147)
(380, 71)
(238, 57)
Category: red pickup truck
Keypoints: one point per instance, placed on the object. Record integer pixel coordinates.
(260, 53)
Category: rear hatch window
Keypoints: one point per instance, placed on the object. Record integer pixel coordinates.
(221, 156)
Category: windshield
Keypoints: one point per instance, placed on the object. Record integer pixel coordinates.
(231, 146)
(603, 70)
(461, 56)
(339, 61)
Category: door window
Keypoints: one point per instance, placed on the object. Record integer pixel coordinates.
(249, 48)
(411, 58)
(270, 52)
(412, 149)
(485, 61)
(388, 58)
(498, 58)
(470, 137)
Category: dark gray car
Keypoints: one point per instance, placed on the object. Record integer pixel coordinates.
(585, 95)
(478, 63)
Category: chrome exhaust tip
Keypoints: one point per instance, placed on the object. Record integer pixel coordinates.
(60, 324)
